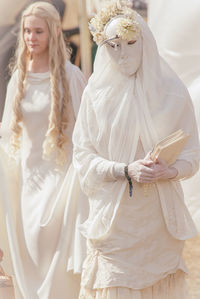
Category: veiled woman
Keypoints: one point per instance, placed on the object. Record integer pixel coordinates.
(133, 100)
(38, 206)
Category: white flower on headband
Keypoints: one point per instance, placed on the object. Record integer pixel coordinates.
(96, 25)
(127, 29)
(99, 37)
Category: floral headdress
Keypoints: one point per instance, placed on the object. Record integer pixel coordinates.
(127, 29)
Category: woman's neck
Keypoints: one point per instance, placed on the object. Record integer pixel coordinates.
(39, 64)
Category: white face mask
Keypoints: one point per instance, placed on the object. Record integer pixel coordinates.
(125, 54)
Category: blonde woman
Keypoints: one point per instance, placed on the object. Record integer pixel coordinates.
(38, 220)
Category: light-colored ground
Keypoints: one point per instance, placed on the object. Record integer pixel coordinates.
(192, 258)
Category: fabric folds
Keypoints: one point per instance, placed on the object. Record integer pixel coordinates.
(116, 111)
(173, 286)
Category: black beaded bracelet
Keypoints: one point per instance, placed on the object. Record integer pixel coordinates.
(129, 180)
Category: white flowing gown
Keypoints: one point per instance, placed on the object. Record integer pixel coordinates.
(41, 210)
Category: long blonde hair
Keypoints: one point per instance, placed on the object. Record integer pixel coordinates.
(55, 138)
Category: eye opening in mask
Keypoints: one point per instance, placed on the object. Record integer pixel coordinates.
(113, 42)
(131, 42)
(109, 41)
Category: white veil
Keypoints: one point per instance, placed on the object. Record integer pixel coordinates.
(116, 111)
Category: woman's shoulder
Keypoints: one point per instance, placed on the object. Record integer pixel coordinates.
(74, 72)
(14, 74)
(13, 79)
(71, 67)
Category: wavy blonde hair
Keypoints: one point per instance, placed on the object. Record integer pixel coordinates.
(55, 138)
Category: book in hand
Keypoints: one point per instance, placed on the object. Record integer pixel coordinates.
(170, 147)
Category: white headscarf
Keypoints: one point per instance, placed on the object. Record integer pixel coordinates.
(116, 111)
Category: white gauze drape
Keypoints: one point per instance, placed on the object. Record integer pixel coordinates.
(116, 111)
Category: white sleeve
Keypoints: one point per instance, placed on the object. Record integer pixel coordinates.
(114, 172)
(185, 169)
(93, 169)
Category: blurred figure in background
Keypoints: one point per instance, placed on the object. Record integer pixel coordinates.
(94, 6)
(176, 27)
(70, 24)
(140, 6)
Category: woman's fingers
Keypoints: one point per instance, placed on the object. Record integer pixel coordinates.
(148, 156)
(150, 174)
(147, 162)
(161, 162)
(146, 171)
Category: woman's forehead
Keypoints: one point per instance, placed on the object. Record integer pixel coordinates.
(34, 21)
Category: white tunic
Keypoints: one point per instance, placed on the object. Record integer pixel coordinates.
(43, 250)
(139, 250)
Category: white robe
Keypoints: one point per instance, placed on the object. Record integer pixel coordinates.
(41, 204)
(133, 243)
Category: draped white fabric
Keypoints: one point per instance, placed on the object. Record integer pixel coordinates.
(176, 27)
(177, 34)
(170, 287)
(116, 110)
(41, 206)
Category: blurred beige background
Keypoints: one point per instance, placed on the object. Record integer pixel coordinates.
(9, 9)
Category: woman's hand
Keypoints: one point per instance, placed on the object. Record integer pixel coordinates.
(142, 170)
(162, 171)
(147, 171)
